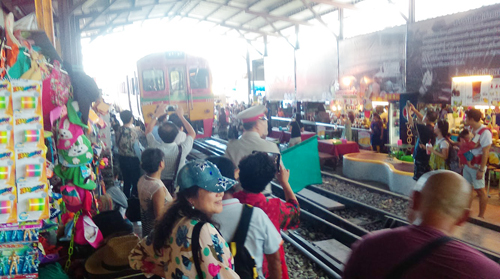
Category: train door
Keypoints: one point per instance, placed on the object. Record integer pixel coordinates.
(178, 86)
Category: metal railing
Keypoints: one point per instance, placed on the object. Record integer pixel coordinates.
(313, 123)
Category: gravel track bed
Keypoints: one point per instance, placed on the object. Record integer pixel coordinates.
(362, 219)
(299, 266)
(388, 203)
(310, 232)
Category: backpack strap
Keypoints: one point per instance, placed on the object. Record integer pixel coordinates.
(242, 230)
(482, 130)
(415, 258)
(195, 248)
(177, 164)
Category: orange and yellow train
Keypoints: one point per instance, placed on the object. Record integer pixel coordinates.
(177, 79)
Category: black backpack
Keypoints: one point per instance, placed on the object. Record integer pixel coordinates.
(244, 263)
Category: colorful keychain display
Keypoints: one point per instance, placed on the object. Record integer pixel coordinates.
(5, 207)
(33, 170)
(30, 150)
(31, 135)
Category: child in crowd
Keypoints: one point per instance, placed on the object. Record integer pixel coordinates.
(466, 144)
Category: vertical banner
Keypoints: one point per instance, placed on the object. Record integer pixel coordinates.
(405, 131)
(463, 44)
(373, 64)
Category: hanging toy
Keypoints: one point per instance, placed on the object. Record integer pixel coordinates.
(103, 163)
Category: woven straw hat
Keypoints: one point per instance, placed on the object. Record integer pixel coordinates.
(112, 257)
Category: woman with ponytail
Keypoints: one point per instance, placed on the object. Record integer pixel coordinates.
(185, 242)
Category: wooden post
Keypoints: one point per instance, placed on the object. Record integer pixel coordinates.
(39, 14)
(44, 18)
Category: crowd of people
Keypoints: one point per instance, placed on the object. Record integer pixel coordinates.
(434, 149)
(228, 125)
(221, 201)
(214, 218)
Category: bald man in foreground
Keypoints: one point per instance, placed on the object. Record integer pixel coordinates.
(424, 249)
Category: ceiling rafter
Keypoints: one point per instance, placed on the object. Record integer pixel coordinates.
(103, 19)
(132, 4)
(249, 42)
(112, 12)
(336, 4)
(318, 18)
(278, 18)
(76, 6)
(105, 29)
(269, 12)
(87, 24)
(193, 7)
(178, 10)
(247, 8)
(242, 29)
(279, 32)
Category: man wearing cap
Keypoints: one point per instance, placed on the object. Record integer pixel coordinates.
(255, 129)
(440, 202)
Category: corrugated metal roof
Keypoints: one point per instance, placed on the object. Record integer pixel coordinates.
(252, 19)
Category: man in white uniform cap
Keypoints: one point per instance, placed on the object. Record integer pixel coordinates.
(255, 126)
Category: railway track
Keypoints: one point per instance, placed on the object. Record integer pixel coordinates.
(364, 209)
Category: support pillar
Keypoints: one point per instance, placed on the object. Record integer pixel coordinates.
(65, 30)
(411, 11)
(45, 19)
(249, 75)
(265, 45)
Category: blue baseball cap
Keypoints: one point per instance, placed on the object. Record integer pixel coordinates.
(203, 174)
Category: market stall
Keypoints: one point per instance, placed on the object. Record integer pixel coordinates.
(337, 148)
(55, 152)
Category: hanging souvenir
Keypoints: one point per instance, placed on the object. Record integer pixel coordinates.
(68, 133)
(79, 154)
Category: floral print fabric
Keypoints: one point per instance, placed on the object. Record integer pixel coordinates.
(176, 258)
(283, 215)
(126, 138)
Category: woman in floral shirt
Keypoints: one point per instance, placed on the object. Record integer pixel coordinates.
(167, 251)
(256, 171)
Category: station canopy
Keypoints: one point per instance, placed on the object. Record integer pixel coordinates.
(249, 19)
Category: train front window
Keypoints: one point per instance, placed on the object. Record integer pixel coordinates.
(177, 79)
(153, 80)
(198, 78)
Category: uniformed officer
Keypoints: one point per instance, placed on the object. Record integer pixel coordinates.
(253, 139)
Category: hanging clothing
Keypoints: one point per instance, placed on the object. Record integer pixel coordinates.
(22, 65)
